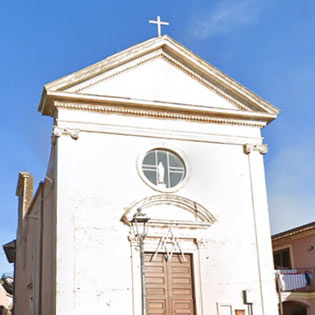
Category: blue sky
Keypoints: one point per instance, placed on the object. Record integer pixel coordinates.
(266, 45)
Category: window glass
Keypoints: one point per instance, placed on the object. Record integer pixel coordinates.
(163, 168)
(282, 259)
(174, 161)
(175, 178)
(151, 176)
(149, 158)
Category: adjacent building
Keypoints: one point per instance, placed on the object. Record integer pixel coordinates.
(152, 135)
(6, 295)
(294, 252)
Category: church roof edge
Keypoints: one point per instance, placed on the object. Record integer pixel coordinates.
(171, 46)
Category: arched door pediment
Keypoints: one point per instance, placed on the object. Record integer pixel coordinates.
(165, 210)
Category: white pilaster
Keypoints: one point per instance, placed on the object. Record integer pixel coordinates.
(65, 268)
(262, 229)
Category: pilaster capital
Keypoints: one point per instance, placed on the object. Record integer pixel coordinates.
(201, 242)
(58, 132)
(261, 148)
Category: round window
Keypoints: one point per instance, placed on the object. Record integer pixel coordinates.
(163, 168)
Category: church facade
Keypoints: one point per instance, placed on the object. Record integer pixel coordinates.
(152, 132)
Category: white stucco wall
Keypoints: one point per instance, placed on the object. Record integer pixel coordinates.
(97, 179)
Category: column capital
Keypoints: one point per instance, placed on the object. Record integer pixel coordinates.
(58, 132)
(201, 242)
(261, 148)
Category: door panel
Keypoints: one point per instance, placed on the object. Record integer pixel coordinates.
(169, 285)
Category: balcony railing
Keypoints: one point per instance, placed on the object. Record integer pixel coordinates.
(297, 280)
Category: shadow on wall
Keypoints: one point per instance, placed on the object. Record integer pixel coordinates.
(293, 308)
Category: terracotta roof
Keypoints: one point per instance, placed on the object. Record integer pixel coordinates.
(297, 230)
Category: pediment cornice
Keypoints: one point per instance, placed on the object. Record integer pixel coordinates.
(167, 48)
(159, 110)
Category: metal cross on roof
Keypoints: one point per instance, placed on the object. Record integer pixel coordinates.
(159, 23)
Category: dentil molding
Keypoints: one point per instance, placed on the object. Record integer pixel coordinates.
(112, 109)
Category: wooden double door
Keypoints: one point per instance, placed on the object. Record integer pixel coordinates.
(169, 284)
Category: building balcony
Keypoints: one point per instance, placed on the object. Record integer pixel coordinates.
(300, 280)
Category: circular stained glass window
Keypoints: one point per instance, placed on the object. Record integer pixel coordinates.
(163, 168)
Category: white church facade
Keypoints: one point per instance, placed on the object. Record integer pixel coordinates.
(155, 133)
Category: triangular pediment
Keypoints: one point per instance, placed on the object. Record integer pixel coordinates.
(156, 77)
(157, 72)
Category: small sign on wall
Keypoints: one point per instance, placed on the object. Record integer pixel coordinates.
(224, 309)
